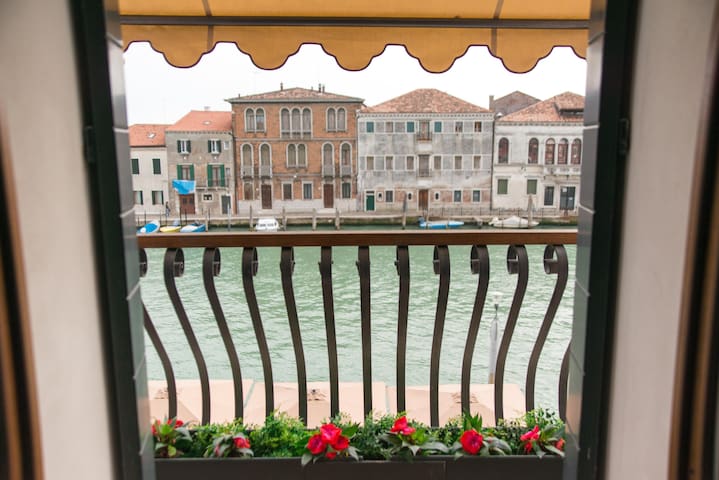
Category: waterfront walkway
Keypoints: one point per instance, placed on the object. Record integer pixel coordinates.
(189, 401)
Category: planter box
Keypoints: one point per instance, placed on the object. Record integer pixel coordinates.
(424, 468)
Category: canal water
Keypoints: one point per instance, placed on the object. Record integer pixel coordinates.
(384, 294)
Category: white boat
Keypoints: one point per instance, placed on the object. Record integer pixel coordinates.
(194, 227)
(512, 222)
(439, 224)
(268, 224)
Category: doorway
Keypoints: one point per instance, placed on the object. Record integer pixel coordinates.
(266, 194)
(226, 204)
(187, 204)
(369, 201)
(328, 194)
(423, 200)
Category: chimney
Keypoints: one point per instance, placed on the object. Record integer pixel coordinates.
(207, 108)
(282, 86)
(319, 87)
(491, 101)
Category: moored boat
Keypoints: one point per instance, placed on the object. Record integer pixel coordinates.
(439, 224)
(150, 227)
(194, 227)
(174, 228)
(512, 222)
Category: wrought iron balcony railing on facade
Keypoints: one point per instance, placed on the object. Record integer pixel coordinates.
(476, 242)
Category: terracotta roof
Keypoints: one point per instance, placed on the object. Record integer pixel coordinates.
(147, 135)
(565, 107)
(512, 102)
(203, 121)
(296, 95)
(425, 100)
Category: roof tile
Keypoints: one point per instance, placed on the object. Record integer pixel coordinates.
(203, 121)
(147, 135)
(566, 107)
(295, 95)
(425, 100)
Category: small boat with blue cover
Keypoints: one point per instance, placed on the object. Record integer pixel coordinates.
(194, 227)
(150, 227)
(439, 224)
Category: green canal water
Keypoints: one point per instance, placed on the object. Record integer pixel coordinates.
(384, 287)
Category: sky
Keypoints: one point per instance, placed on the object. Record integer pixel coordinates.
(160, 93)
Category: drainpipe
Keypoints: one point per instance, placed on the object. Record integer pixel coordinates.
(491, 166)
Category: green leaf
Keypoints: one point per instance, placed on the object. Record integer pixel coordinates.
(413, 448)
(306, 458)
(438, 446)
(352, 452)
(350, 431)
(555, 450)
(171, 451)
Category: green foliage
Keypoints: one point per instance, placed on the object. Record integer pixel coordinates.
(366, 440)
(280, 436)
(408, 439)
(203, 436)
(171, 438)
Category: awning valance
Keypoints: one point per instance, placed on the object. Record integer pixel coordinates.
(519, 32)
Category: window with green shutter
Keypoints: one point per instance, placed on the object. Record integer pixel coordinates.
(370, 127)
(156, 169)
(437, 127)
(532, 186)
(222, 176)
(502, 186)
(410, 127)
(210, 183)
(192, 172)
(135, 166)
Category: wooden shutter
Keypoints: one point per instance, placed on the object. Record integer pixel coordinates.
(179, 172)
(192, 171)
(209, 175)
(179, 147)
(222, 175)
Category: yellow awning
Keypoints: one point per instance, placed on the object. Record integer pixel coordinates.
(519, 32)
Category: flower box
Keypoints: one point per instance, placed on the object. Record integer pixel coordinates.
(439, 467)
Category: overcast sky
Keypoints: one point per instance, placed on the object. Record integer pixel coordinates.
(160, 93)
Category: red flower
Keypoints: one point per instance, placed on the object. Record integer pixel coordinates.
(154, 430)
(330, 433)
(316, 444)
(241, 442)
(530, 437)
(400, 426)
(471, 441)
(331, 455)
(178, 423)
(560, 444)
(341, 443)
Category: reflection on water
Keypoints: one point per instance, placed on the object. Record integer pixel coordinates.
(385, 286)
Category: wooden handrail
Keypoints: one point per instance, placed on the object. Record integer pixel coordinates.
(356, 238)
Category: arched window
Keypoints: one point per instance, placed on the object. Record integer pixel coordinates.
(265, 154)
(346, 155)
(327, 159)
(503, 153)
(249, 120)
(576, 151)
(259, 120)
(341, 119)
(285, 122)
(291, 155)
(301, 155)
(331, 120)
(296, 126)
(549, 152)
(562, 152)
(307, 121)
(533, 152)
(246, 159)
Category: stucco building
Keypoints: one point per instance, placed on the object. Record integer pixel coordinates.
(200, 148)
(296, 149)
(148, 164)
(428, 149)
(538, 154)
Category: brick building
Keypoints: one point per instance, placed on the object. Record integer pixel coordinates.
(511, 103)
(428, 148)
(295, 149)
(200, 148)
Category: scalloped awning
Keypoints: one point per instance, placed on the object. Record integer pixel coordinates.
(436, 32)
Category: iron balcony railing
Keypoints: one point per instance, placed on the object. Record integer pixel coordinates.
(477, 241)
(345, 170)
(328, 169)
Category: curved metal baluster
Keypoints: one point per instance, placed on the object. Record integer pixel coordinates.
(363, 268)
(552, 266)
(563, 378)
(328, 303)
(517, 264)
(441, 268)
(249, 270)
(287, 266)
(479, 263)
(174, 266)
(159, 348)
(211, 262)
(402, 264)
